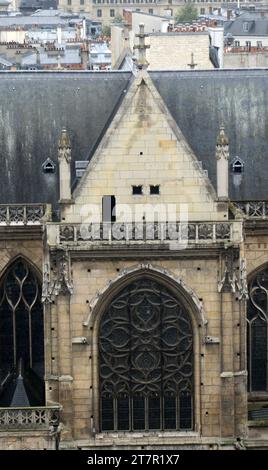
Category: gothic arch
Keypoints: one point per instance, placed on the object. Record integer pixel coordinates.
(21, 331)
(27, 260)
(191, 305)
(177, 285)
(257, 329)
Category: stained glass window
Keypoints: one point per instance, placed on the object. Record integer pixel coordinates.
(146, 361)
(257, 317)
(21, 333)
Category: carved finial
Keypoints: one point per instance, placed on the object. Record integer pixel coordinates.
(64, 140)
(192, 64)
(65, 157)
(142, 62)
(222, 138)
(222, 157)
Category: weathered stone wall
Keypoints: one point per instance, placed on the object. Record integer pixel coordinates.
(172, 51)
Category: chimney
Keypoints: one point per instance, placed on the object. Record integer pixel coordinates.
(59, 36)
(84, 56)
(37, 56)
(84, 29)
(64, 156)
(222, 157)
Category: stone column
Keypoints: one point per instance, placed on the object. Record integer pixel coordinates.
(227, 288)
(233, 289)
(64, 156)
(57, 290)
(222, 156)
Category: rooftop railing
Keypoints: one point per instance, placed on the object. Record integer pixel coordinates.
(139, 233)
(22, 214)
(252, 209)
(30, 418)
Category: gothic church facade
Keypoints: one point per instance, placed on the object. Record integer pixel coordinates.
(133, 306)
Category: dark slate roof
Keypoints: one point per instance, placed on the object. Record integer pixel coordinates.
(200, 100)
(257, 25)
(34, 107)
(20, 397)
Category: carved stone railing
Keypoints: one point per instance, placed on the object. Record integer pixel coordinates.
(252, 209)
(17, 419)
(22, 214)
(132, 233)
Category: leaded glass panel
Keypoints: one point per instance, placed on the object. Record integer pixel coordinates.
(146, 361)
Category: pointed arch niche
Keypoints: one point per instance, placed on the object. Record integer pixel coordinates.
(146, 333)
(257, 330)
(21, 335)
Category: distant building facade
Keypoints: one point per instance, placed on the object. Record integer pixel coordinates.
(108, 10)
(250, 29)
(169, 47)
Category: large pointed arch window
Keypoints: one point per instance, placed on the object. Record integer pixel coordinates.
(257, 318)
(21, 336)
(146, 361)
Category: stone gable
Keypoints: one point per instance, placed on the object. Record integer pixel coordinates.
(144, 146)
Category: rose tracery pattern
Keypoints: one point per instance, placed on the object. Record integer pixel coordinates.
(257, 318)
(146, 361)
(21, 328)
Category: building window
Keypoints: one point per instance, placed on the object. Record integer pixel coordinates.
(82, 2)
(154, 189)
(245, 27)
(69, 2)
(112, 13)
(137, 190)
(99, 13)
(237, 43)
(146, 361)
(21, 335)
(49, 166)
(151, 11)
(108, 209)
(259, 44)
(257, 320)
(237, 166)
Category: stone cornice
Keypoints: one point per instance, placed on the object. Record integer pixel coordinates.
(144, 252)
(25, 232)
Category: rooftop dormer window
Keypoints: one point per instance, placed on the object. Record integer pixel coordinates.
(245, 26)
(49, 166)
(237, 166)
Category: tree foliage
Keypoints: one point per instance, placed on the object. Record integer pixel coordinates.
(106, 30)
(186, 14)
(118, 19)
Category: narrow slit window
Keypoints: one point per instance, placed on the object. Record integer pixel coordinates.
(137, 190)
(108, 208)
(154, 189)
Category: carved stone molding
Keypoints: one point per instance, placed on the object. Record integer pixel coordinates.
(57, 280)
(153, 268)
(234, 275)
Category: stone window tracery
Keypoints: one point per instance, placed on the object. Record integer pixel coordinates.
(146, 361)
(257, 319)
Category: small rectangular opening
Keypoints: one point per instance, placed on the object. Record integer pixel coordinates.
(155, 189)
(137, 190)
(108, 208)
